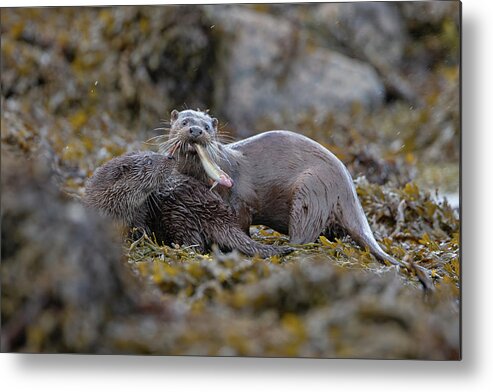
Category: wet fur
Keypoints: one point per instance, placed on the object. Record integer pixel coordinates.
(119, 187)
(192, 215)
(175, 208)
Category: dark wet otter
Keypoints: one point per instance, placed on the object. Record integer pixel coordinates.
(143, 190)
(119, 187)
(279, 178)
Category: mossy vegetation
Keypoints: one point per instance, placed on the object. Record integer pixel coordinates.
(80, 86)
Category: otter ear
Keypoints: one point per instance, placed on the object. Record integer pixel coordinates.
(174, 115)
(215, 123)
(121, 170)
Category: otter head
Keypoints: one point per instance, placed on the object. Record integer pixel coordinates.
(122, 185)
(193, 139)
(146, 170)
(192, 127)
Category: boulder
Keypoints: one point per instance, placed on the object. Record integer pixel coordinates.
(372, 32)
(430, 12)
(270, 71)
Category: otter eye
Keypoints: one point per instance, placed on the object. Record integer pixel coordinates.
(184, 122)
(206, 127)
(149, 161)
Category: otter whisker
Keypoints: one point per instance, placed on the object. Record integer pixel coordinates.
(168, 145)
(175, 147)
(224, 133)
(163, 148)
(222, 130)
(184, 154)
(153, 204)
(225, 139)
(158, 143)
(158, 139)
(224, 125)
(161, 129)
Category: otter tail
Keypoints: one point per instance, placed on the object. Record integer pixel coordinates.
(237, 239)
(358, 227)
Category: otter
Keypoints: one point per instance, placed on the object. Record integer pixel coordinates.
(143, 190)
(119, 187)
(280, 179)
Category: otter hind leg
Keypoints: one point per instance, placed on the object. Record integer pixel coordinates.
(229, 238)
(334, 231)
(310, 210)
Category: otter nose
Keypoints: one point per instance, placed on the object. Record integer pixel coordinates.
(195, 131)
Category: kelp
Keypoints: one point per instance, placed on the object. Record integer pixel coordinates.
(80, 87)
(67, 288)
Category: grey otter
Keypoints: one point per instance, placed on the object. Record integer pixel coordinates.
(143, 190)
(279, 178)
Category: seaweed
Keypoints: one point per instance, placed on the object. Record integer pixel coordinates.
(80, 86)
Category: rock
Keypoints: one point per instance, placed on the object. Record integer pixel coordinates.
(271, 71)
(369, 31)
(430, 12)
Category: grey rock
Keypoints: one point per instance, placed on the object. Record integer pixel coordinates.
(432, 12)
(271, 71)
(372, 32)
(368, 31)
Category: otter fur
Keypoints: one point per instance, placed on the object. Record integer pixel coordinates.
(280, 179)
(143, 190)
(122, 185)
